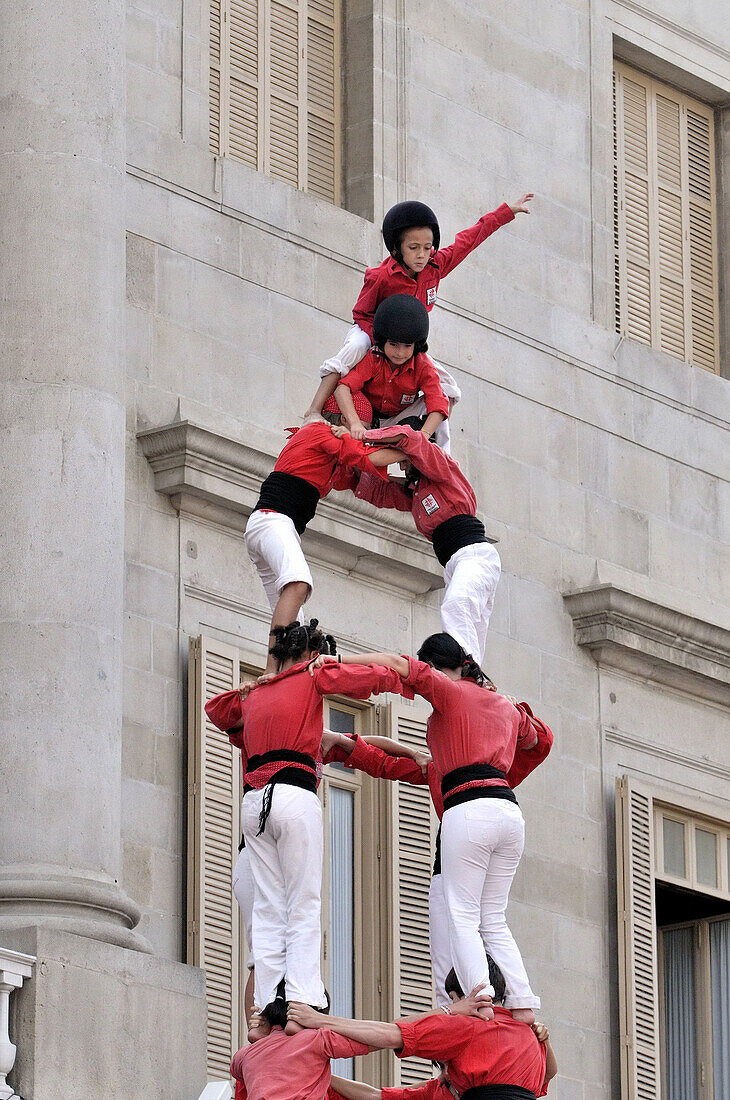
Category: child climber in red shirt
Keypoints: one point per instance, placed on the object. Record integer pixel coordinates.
(397, 378)
(315, 460)
(415, 267)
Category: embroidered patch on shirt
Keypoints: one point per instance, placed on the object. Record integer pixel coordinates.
(430, 295)
(430, 504)
(408, 398)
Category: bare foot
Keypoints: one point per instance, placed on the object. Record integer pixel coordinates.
(524, 1015)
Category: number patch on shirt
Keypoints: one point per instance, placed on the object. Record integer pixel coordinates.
(430, 504)
(408, 398)
(430, 295)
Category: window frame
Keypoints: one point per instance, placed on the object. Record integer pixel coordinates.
(638, 806)
(691, 823)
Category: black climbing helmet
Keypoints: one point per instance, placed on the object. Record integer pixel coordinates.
(402, 319)
(408, 215)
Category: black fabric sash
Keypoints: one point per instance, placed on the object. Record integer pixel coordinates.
(290, 495)
(454, 533)
(469, 774)
(295, 777)
(437, 854)
(498, 1092)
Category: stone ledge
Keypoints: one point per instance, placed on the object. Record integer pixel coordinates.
(217, 478)
(649, 639)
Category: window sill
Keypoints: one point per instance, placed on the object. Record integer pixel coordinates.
(638, 635)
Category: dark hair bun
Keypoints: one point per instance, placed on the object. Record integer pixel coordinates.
(443, 651)
(294, 640)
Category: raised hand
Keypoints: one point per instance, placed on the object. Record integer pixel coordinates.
(473, 1005)
(520, 204)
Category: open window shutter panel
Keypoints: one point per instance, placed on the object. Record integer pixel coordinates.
(413, 835)
(213, 832)
(283, 81)
(322, 98)
(638, 998)
(634, 169)
(670, 237)
(702, 239)
(244, 79)
(214, 79)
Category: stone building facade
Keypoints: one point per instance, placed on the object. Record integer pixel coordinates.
(600, 463)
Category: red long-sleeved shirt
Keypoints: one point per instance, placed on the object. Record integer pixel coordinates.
(390, 277)
(477, 1052)
(314, 454)
(442, 490)
(469, 724)
(390, 389)
(287, 712)
(290, 1067)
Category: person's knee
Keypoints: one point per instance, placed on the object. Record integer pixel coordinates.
(295, 590)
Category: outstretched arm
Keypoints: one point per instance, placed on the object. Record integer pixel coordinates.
(354, 1090)
(383, 660)
(373, 1033)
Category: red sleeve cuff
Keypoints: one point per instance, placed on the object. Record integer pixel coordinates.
(408, 1034)
(359, 754)
(224, 710)
(504, 214)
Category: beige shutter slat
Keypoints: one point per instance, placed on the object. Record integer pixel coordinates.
(412, 837)
(213, 833)
(638, 997)
(323, 99)
(664, 218)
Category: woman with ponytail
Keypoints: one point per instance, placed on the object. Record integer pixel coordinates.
(473, 735)
(278, 726)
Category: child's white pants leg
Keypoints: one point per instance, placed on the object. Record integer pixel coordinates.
(438, 924)
(448, 382)
(275, 549)
(471, 576)
(243, 892)
(356, 346)
(286, 862)
(481, 845)
(442, 435)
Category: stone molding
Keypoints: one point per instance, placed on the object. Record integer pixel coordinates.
(71, 903)
(217, 478)
(651, 640)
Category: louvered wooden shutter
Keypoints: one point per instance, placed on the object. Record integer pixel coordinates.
(274, 89)
(664, 219)
(214, 800)
(638, 998)
(413, 835)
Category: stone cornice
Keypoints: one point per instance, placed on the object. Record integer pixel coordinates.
(218, 478)
(651, 640)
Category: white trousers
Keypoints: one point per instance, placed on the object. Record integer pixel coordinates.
(286, 864)
(243, 893)
(471, 576)
(275, 549)
(438, 927)
(356, 346)
(481, 845)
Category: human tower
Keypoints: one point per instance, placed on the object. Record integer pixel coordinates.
(383, 404)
